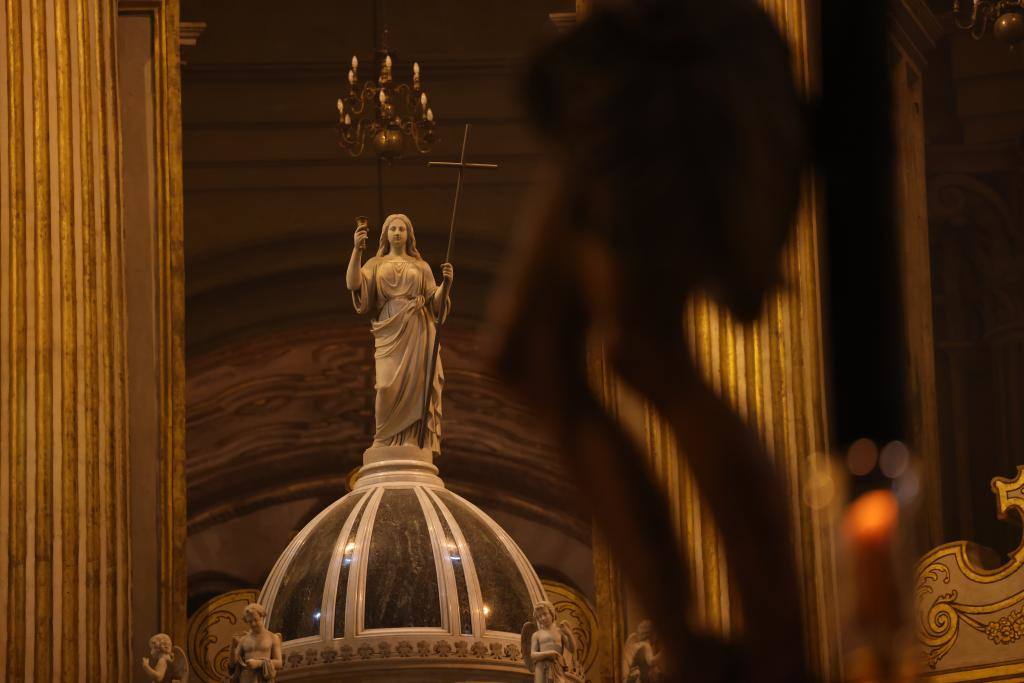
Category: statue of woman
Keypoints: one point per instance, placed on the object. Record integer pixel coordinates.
(398, 288)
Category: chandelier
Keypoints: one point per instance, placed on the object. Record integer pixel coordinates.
(394, 116)
(1005, 16)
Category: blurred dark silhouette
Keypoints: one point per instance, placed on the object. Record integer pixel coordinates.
(677, 144)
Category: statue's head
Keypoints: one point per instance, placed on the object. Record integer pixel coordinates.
(644, 630)
(544, 613)
(160, 644)
(254, 614)
(397, 230)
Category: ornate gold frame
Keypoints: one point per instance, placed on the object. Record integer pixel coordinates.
(170, 301)
(969, 598)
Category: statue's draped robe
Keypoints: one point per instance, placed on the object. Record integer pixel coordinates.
(401, 292)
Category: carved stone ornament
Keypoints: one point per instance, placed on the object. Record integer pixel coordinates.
(971, 619)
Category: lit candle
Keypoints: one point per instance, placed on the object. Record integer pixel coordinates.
(430, 115)
(423, 100)
(341, 106)
(383, 97)
(351, 77)
(355, 62)
(348, 121)
(870, 527)
(416, 69)
(387, 61)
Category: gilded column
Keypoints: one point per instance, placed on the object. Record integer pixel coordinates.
(773, 374)
(64, 580)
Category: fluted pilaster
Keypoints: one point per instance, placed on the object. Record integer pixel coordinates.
(64, 577)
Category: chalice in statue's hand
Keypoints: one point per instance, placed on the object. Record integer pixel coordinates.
(362, 228)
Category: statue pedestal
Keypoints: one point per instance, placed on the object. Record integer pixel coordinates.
(397, 464)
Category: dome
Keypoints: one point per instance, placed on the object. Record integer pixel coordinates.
(401, 579)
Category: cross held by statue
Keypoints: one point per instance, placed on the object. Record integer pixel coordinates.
(462, 165)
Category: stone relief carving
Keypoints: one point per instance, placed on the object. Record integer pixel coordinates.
(385, 649)
(968, 616)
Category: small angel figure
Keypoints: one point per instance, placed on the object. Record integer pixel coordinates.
(166, 662)
(548, 649)
(255, 655)
(640, 663)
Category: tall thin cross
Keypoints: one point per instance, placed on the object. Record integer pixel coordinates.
(462, 165)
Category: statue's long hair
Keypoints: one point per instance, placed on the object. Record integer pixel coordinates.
(410, 244)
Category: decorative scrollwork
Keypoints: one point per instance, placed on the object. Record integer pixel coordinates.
(967, 598)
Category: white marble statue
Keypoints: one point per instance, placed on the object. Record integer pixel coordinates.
(397, 287)
(166, 663)
(640, 663)
(548, 648)
(256, 655)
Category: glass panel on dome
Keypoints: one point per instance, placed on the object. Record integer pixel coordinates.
(507, 604)
(341, 597)
(296, 610)
(451, 548)
(401, 576)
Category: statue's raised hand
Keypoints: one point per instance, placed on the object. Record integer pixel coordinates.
(447, 273)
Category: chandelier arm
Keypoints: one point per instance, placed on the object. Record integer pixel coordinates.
(972, 22)
(978, 32)
(361, 138)
(416, 143)
(370, 91)
(358, 110)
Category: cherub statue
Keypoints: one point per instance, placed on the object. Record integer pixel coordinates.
(640, 663)
(256, 655)
(166, 662)
(549, 649)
